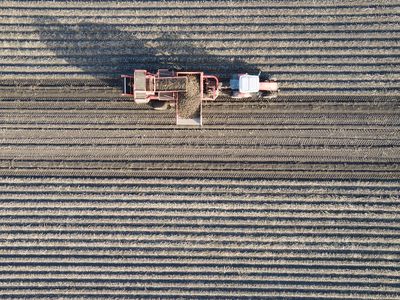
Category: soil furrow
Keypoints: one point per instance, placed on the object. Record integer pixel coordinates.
(294, 197)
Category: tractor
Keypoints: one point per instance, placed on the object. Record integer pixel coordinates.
(246, 86)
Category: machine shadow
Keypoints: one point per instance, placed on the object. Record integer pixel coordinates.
(105, 51)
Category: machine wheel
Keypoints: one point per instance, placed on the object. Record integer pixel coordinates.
(176, 68)
(160, 105)
(269, 95)
(236, 95)
(224, 94)
(264, 76)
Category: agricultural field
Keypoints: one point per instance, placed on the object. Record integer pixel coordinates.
(296, 197)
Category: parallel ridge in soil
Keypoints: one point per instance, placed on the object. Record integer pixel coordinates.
(324, 47)
(292, 198)
(295, 198)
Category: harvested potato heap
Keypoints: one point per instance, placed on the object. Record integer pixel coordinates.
(170, 84)
(189, 103)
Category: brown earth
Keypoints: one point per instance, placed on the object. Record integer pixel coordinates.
(291, 198)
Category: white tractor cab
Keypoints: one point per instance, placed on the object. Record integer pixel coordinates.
(246, 86)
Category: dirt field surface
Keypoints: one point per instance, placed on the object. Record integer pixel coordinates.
(292, 198)
(313, 47)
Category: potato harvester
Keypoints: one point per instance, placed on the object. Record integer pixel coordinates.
(186, 91)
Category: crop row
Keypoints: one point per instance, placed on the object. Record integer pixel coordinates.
(168, 11)
(319, 119)
(288, 222)
(301, 72)
(57, 43)
(155, 192)
(324, 279)
(165, 283)
(31, 33)
(279, 154)
(219, 30)
(111, 152)
(334, 133)
(226, 20)
(208, 141)
(202, 182)
(365, 61)
(198, 246)
(199, 4)
(205, 204)
(137, 198)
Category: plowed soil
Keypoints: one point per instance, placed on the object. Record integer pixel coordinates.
(292, 198)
